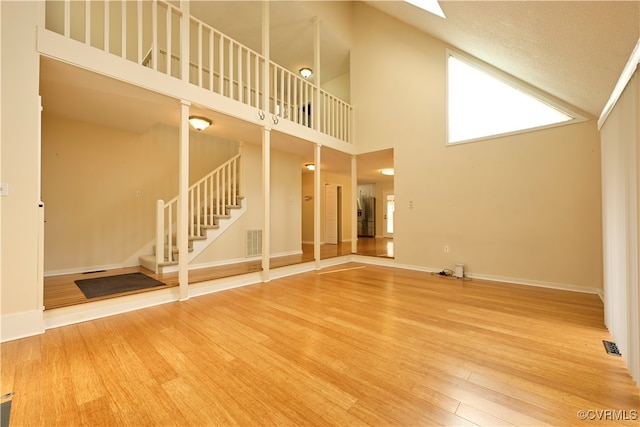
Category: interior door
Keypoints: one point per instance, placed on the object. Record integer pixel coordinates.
(331, 214)
(389, 209)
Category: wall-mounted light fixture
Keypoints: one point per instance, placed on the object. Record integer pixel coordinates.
(310, 166)
(199, 123)
(387, 171)
(306, 72)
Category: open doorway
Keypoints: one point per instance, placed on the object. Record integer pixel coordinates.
(389, 209)
(333, 214)
(376, 204)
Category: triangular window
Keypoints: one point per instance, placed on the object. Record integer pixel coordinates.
(482, 105)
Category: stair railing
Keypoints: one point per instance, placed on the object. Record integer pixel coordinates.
(208, 200)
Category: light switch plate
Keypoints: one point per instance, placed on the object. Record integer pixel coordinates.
(4, 189)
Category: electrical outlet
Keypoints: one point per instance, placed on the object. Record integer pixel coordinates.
(446, 249)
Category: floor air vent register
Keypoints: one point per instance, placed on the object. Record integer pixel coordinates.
(611, 348)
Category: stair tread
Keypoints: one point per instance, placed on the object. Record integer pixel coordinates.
(150, 259)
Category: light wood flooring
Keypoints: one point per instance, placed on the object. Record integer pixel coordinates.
(351, 345)
(61, 291)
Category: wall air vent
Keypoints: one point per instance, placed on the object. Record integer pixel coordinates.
(254, 243)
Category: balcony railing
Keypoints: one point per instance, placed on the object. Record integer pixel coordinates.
(150, 32)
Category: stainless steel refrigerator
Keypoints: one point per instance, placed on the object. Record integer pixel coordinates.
(367, 216)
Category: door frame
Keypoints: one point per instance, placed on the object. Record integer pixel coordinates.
(385, 194)
(338, 213)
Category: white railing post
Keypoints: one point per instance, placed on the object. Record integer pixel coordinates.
(240, 79)
(211, 205)
(198, 213)
(140, 32)
(217, 194)
(211, 57)
(87, 22)
(106, 34)
(169, 245)
(123, 10)
(154, 35)
(190, 211)
(168, 32)
(185, 39)
(67, 18)
(159, 233)
(200, 55)
(265, 53)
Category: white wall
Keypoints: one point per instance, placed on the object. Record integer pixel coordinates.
(307, 189)
(101, 185)
(21, 309)
(620, 196)
(286, 215)
(522, 208)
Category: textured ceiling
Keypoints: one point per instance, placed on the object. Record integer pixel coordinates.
(573, 50)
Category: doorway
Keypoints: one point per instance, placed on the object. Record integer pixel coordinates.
(333, 214)
(388, 216)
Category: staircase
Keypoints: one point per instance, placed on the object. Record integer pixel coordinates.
(213, 206)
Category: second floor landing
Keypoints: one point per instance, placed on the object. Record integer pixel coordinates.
(142, 59)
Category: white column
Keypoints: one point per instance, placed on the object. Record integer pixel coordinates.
(40, 263)
(354, 205)
(316, 206)
(265, 54)
(316, 73)
(266, 198)
(183, 203)
(185, 22)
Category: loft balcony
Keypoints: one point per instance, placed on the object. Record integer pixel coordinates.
(157, 35)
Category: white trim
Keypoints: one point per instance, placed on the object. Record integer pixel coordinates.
(89, 269)
(536, 283)
(21, 325)
(64, 316)
(226, 283)
(129, 264)
(626, 75)
(388, 262)
(515, 83)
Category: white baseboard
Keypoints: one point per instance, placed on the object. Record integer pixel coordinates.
(21, 325)
(223, 284)
(536, 283)
(80, 270)
(64, 316)
(291, 270)
(502, 279)
(382, 261)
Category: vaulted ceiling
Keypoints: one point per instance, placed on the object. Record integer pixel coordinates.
(573, 50)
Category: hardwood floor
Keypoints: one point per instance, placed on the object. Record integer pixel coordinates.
(352, 345)
(61, 291)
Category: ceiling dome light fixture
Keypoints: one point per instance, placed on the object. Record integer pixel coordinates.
(387, 171)
(310, 166)
(306, 72)
(199, 123)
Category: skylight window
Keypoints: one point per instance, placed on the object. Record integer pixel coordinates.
(431, 6)
(481, 105)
